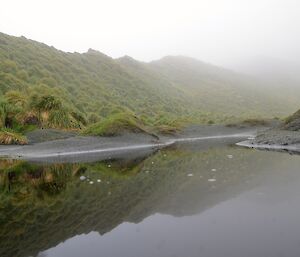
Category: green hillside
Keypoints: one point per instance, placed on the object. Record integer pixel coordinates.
(223, 91)
(41, 86)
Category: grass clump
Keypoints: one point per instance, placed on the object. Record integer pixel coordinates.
(250, 123)
(39, 107)
(256, 122)
(119, 123)
(167, 129)
(116, 125)
(9, 137)
(292, 122)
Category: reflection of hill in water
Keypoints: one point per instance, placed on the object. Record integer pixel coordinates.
(44, 205)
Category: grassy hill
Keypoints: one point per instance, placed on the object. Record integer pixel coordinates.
(222, 91)
(45, 87)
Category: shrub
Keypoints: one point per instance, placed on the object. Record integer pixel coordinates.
(59, 119)
(115, 125)
(93, 118)
(9, 137)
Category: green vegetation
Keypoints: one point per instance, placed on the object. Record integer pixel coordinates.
(41, 107)
(43, 87)
(169, 129)
(251, 123)
(8, 137)
(116, 125)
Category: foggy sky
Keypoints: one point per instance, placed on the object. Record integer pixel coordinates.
(222, 32)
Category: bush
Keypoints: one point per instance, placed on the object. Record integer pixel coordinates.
(116, 125)
(256, 122)
(59, 119)
(292, 122)
(9, 137)
(93, 118)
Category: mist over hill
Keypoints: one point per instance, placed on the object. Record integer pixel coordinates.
(275, 71)
(92, 86)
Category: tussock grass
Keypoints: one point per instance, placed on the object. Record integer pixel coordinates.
(168, 130)
(116, 125)
(96, 86)
(9, 137)
(59, 119)
(292, 122)
(250, 123)
(120, 123)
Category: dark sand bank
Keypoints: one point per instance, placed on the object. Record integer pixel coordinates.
(44, 135)
(74, 148)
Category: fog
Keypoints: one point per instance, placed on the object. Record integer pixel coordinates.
(223, 32)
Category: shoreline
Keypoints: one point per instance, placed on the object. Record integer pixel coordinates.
(275, 139)
(77, 149)
(295, 148)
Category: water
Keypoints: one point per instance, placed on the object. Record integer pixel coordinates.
(183, 201)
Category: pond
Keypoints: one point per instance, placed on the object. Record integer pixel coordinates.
(182, 201)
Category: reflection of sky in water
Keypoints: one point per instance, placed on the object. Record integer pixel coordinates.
(236, 203)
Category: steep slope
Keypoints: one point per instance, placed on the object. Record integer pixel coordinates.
(90, 82)
(280, 74)
(92, 86)
(275, 70)
(220, 90)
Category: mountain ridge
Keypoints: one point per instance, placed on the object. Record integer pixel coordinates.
(173, 88)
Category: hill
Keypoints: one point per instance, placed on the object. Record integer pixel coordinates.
(277, 70)
(280, 74)
(223, 91)
(45, 87)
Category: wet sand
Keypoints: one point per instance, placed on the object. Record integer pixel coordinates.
(78, 148)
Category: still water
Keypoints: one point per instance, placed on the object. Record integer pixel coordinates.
(178, 202)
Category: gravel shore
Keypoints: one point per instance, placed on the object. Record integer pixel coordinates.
(275, 139)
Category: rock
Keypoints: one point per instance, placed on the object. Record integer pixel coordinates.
(82, 178)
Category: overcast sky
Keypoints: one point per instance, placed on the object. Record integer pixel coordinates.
(216, 31)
